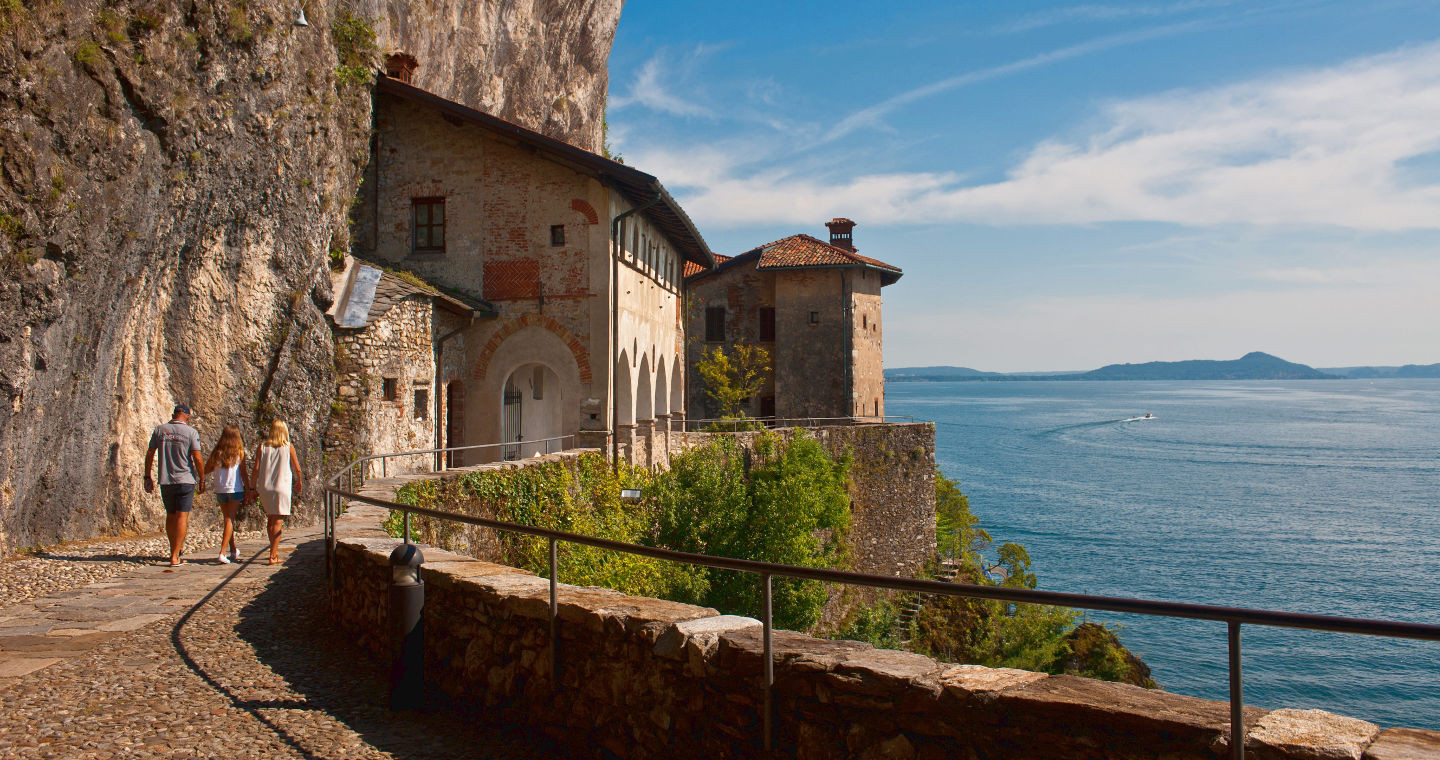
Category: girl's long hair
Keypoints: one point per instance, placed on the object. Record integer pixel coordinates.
(279, 435)
(229, 449)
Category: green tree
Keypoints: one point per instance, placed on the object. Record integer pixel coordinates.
(732, 377)
(789, 505)
(1001, 634)
(958, 534)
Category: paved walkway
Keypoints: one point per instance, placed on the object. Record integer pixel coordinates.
(212, 660)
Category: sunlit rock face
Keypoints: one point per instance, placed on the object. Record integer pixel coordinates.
(173, 178)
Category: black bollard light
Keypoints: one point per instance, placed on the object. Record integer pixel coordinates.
(407, 626)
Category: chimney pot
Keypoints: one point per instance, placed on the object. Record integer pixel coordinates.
(841, 235)
(401, 66)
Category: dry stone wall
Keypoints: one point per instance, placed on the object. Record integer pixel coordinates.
(644, 678)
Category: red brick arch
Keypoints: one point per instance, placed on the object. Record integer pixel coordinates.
(585, 208)
(577, 349)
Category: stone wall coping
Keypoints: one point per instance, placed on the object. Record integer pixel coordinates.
(1405, 744)
(844, 675)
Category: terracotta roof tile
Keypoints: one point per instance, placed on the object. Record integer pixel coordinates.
(691, 268)
(805, 251)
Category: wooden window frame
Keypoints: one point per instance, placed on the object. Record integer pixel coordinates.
(430, 202)
(714, 325)
(767, 324)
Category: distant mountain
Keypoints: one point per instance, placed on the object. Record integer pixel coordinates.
(904, 374)
(1255, 365)
(1409, 370)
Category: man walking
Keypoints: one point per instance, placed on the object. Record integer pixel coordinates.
(180, 475)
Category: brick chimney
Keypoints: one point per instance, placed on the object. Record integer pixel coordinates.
(840, 233)
(401, 66)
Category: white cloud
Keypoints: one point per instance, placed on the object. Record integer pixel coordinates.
(1301, 148)
(648, 89)
(873, 116)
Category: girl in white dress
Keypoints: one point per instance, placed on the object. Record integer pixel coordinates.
(277, 475)
(232, 482)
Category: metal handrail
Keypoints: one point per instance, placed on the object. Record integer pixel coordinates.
(770, 423)
(347, 474)
(1233, 617)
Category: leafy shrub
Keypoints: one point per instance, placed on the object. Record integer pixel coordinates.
(87, 53)
(999, 634)
(355, 50)
(789, 505)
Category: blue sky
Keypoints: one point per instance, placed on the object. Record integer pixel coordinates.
(1069, 185)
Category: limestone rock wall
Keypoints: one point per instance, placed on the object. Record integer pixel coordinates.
(538, 63)
(173, 176)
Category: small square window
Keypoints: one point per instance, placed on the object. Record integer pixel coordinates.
(557, 234)
(422, 403)
(814, 317)
(390, 389)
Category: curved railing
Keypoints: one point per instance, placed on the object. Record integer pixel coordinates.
(1233, 617)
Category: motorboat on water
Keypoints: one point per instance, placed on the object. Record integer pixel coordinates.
(1147, 416)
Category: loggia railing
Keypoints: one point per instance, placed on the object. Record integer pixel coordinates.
(1232, 617)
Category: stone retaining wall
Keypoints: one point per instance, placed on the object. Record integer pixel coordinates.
(646, 678)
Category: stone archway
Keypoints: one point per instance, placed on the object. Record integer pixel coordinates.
(624, 392)
(677, 388)
(513, 363)
(662, 392)
(644, 396)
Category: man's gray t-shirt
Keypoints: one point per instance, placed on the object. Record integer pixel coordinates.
(175, 441)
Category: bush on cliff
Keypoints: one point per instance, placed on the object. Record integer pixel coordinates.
(583, 498)
(786, 502)
(998, 634)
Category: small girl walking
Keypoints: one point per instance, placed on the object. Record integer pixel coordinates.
(276, 473)
(227, 462)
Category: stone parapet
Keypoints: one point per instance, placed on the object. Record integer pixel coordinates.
(645, 678)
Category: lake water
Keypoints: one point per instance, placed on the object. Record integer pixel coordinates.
(1302, 496)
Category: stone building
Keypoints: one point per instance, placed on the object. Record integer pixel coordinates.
(815, 306)
(578, 258)
(390, 364)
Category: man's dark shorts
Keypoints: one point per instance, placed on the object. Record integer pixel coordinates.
(178, 498)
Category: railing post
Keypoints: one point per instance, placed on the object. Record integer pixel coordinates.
(1237, 701)
(769, 669)
(384, 467)
(554, 616)
(407, 527)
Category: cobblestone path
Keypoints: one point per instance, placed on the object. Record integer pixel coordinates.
(213, 660)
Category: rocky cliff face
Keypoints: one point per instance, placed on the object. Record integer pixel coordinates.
(173, 176)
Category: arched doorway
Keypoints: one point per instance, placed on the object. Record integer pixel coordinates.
(531, 411)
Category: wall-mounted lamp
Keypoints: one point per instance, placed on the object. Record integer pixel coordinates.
(300, 17)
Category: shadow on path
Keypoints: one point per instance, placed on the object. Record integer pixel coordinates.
(315, 692)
